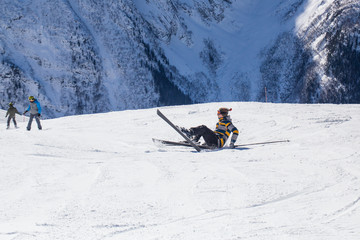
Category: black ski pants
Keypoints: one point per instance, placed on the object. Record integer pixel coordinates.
(209, 136)
(37, 118)
(9, 119)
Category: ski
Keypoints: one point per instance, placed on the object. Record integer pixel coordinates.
(173, 143)
(186, 144)
(176, 129)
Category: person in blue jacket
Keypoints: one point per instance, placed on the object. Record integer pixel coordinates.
(35, 112)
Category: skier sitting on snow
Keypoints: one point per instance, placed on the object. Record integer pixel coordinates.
(35, 112)
(218, 137)
(11, 113)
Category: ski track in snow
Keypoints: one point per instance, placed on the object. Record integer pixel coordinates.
(101, 177)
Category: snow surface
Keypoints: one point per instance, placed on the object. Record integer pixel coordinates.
(101, 176)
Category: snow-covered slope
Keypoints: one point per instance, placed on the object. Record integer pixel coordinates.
(101, 177)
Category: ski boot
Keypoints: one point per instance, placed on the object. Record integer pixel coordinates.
(195, 138)
(187, 132)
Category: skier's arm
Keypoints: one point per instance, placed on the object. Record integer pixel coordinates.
(235, 132)
(28, 109)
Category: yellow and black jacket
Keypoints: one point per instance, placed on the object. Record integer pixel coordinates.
(223, 130)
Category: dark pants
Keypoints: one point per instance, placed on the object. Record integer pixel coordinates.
(209, 136)
(9, 119)
(37, 118)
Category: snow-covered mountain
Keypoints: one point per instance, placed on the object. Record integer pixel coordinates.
(100, 176)
(86, 56)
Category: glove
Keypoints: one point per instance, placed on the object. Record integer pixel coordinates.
(25, 112)
(232, 145)
(39, 115)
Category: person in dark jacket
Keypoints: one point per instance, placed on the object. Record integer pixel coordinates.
(35, 112)
(220, 135)
(11, 113)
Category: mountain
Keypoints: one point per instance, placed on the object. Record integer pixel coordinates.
(90, 56)
(320, 63)
(86, 178)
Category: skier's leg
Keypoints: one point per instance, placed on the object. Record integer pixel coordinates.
(209, 136)
(14, 122)
(37, 118)
(8, 122)
(30, 121)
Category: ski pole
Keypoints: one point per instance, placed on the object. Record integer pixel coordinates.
(261, 143)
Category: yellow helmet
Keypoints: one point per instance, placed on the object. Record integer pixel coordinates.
(31, 98)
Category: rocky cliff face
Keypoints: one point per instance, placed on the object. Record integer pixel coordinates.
(320, 63)
(341, 51)
(88, 56)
